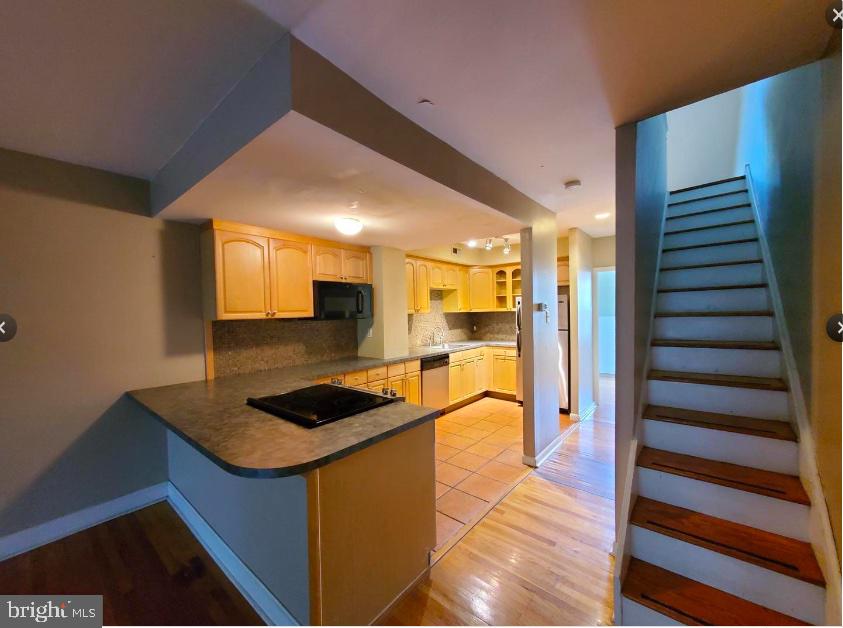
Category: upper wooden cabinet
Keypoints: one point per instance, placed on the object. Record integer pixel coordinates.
(421, 272)
(334, 263)
(412, 292)
(239, 268)
(252, 272)
(562, 272)
(443, 276)
(291, 279)
(480, 290)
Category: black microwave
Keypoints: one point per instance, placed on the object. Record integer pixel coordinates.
(337, 300)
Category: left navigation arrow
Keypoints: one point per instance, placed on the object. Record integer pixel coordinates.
(8, 327)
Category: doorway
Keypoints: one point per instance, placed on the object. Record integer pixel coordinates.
(605, 308)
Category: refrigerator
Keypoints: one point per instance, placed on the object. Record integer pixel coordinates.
(519, 373)
(564, 355)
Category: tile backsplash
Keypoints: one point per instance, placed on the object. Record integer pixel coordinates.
(250, 346)
(462, 326)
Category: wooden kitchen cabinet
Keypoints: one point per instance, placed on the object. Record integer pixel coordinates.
(452, 276)
(412, 388)
(563, 275)
(291, 279)
(503, 371)
(481, 292)
(421, 273)
(458, 300)
(236, 275)
(412, 290)
(454, 382)
(469, 377)
(437, 276)
(397, 384)
(334, 263)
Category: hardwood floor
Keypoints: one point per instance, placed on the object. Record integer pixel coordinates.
(542, 556)
(147, 565)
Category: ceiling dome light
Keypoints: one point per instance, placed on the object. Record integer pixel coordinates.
(602, 216)
(488, 245)
(472, 244)
(348, 226)
(572, 183)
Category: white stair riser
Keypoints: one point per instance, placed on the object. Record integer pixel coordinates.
(705, 220)
(760, 404)
(750, 509)
(765, 587)
(714, 327)
(714, 276)
(733, 198)
(709, 190)
(730, 361)
(712, 254)
(770, 454)
(734, 299)
(634, 614)
(707, 236)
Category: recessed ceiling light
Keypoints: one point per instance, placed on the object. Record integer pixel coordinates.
(572, 183)
(602, 216)
(472, 243)
(348, 226)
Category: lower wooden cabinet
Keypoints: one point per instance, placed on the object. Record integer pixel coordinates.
(404, 378)
(503, 371)
(465, 376)
(412, 388)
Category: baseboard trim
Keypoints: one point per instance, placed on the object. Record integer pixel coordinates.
(56, 529)
(544, 454)
(262, 600)
(585, 416)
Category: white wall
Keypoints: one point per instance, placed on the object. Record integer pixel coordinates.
(702, 141)
(605, 291)
(581, 322)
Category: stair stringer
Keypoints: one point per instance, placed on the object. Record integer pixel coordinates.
(821, 536)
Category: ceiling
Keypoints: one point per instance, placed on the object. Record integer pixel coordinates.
(299, 176)
(530, 90)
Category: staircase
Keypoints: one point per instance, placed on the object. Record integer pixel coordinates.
(719, 532)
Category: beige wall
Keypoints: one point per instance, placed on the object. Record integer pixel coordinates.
(105, 301)
(471, 257)
(603, 251)
(581, 319)
(388, 325)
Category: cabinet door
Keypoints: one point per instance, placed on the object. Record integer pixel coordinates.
(562, 272)
(355, 266)
(412, 388)
(291, 286)
(454, 382)
(452, 277)
(242, 275)
(482, 378)
(377, 386)
(503, 374)
(422, 286)
(397, 384)
(480, 289)
(469, 377)
(437, 276)
(463, 291)
(410, 272)
(327, 263)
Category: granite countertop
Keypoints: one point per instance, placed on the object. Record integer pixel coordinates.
(213, 417)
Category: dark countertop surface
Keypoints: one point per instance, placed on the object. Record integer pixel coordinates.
(213, 417)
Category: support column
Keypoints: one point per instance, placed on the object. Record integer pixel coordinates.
(385, 334)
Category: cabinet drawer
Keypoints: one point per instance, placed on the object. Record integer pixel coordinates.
(377, 373)
(413, 366)
(503, 351)
(394, 370)
(355, 378)
(377, 386)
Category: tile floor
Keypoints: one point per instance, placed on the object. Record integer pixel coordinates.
(478, 460)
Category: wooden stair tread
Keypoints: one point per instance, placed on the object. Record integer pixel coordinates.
(720, 379)
(716, 344)
(764, 428)
(708, 211)
(705, 185)
(708, 244)
(758, 547)
(694, 603)
(707, 227)
(759, 481)
(715, 313)
(743, 286)
(712, 265)
(705, 198)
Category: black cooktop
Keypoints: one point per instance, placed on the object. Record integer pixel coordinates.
(319, 404)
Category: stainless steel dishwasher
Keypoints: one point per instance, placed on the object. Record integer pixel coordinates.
(435, 381)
